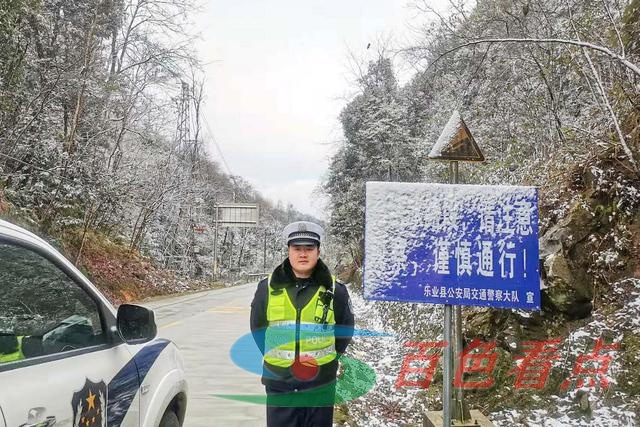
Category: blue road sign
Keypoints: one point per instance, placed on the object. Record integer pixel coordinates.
(452, 244)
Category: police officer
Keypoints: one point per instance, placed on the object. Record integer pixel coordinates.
(290, 309)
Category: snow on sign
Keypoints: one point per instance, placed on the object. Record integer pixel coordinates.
(452, 244)
(456, 142)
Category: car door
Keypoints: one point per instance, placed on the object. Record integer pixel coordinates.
(59, 361)
(2, 423)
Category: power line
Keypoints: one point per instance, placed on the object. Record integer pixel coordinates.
(213, 139)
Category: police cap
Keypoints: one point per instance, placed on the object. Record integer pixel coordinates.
(304, 233)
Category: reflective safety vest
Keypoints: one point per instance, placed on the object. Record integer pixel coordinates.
(16, 355)
(293, 332)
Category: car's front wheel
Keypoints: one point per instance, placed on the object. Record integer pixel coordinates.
(169, 419)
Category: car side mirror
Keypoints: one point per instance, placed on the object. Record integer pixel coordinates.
(136, 324)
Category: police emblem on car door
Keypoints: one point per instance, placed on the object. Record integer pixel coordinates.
(89, 405)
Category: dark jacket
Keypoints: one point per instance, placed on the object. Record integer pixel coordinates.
(300, 292)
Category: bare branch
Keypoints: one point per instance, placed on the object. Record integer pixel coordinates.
(578, 43)
(613, 23)
(607, 104)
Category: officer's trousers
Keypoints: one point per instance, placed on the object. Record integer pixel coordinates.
(297, 416)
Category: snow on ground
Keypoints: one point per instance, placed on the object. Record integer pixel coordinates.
(385, 405)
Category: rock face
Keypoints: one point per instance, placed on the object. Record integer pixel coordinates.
(595, 243)
(567, 288)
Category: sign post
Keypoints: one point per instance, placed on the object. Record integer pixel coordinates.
(232, 215)
(456, 144)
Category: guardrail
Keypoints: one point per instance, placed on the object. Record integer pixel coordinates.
(257, 276)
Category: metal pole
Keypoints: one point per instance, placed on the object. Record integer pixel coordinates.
(451, 341)
(446, 370)
(215, 246)
(231, 252)
(264, 252)
(458, 406)
(459, 410)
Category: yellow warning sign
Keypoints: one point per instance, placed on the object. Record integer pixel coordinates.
(456, 143)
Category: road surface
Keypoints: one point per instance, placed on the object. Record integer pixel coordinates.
(205, 325)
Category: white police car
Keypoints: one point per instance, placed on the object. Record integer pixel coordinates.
(67, 358)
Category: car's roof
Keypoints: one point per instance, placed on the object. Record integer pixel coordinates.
(12, 230)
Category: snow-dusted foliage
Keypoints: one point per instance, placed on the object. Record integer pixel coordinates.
(378, 145)
(99, 130)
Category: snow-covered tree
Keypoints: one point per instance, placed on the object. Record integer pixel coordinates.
(378, 145)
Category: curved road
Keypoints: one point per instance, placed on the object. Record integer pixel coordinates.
(205, 325)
